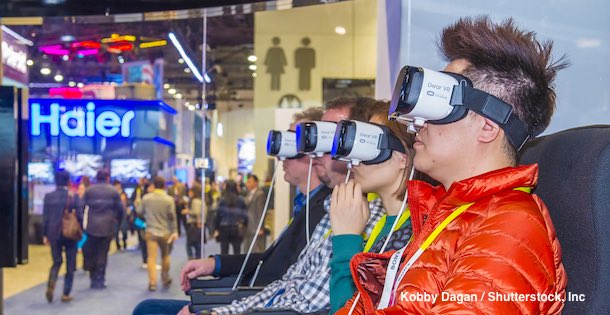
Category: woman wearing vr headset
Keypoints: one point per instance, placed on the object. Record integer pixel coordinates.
(383, 169)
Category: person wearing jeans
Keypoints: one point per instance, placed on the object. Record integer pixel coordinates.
(53, 208)
(161, 230)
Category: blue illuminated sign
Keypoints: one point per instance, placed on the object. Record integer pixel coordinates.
(80, 123)
(89, 117)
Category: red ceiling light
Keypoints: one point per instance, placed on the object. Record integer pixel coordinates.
(117, 49)
(87, 44)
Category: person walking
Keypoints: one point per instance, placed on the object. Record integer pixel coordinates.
(103, 211)
(54, 205)
(161, 230)
(193, 222)
(138, 221)
(231, 219)
(178, 192)
(123, 225)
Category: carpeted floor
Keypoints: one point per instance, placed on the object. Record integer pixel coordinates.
(126, 282)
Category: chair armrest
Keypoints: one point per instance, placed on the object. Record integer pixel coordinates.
(212, 282)
(200, 296)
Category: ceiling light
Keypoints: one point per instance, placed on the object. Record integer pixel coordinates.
(30, 62)
(166, 86)
(187, 104)
(188, 61)
(58, 78)
(171, 91)
(180, 61)
(67, 38)
(252, 58)
(71, 84)
(80, 85)
(252, 67)
(219, 129)
(254, 74)
(340, 30)
(178, 96)
(121, 60)
(187, 70)
(65, 57)
(157, 43)
(45, 71)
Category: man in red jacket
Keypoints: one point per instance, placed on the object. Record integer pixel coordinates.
(482, 243)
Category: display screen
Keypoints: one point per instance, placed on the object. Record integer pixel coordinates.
(246, 155)
(84, 165)
(41, 172)
(182, 175)
(129, 191)
(129, 170)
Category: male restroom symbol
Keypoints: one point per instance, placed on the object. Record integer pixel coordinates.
(305, 60)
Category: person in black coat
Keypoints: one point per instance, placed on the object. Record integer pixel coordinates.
(231, 219)
(53, 210)
(103, 211)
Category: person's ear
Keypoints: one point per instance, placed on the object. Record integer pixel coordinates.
(489, 130)
(402, 159)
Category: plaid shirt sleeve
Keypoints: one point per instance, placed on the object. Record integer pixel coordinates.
(306, 283)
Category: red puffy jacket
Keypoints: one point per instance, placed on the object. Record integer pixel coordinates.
(501, 246)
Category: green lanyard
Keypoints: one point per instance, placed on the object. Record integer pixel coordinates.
(379, 226)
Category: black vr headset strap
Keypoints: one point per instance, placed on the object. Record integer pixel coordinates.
(394, 143)
(495, 109)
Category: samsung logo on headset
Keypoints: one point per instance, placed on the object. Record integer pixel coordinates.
(80, 123)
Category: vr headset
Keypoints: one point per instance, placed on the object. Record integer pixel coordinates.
(315, 137)
(422, 95)
(369, 143)
(283, 145)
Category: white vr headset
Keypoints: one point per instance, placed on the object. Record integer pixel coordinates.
(369, 143)
(282, 144)
(315, 137)
(422, 95)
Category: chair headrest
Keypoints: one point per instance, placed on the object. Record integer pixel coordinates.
(574, 183)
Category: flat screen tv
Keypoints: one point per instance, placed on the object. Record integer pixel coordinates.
(84, 165)
(41, 172)
(129, 170)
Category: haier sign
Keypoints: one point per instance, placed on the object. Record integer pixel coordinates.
(89, 117)
(78, 123)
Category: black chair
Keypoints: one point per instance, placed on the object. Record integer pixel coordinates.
(574, 182)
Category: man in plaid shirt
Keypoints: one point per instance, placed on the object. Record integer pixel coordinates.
(305, 286)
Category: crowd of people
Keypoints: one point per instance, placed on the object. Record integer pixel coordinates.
(447, 210)
(156, 213)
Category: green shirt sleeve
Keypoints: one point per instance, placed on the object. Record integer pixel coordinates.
(342, 286)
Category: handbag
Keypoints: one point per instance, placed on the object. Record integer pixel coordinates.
(70, 228)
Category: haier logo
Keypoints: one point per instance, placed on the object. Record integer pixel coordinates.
(78, 123)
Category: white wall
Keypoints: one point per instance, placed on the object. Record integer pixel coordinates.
(581, 30)
(349, 56)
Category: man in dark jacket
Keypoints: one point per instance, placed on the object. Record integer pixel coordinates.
(103, 211)
(255, 200)
(281, 254)
(53, 210)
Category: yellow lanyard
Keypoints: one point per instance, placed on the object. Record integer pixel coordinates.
(388, 295)
(379, 226)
